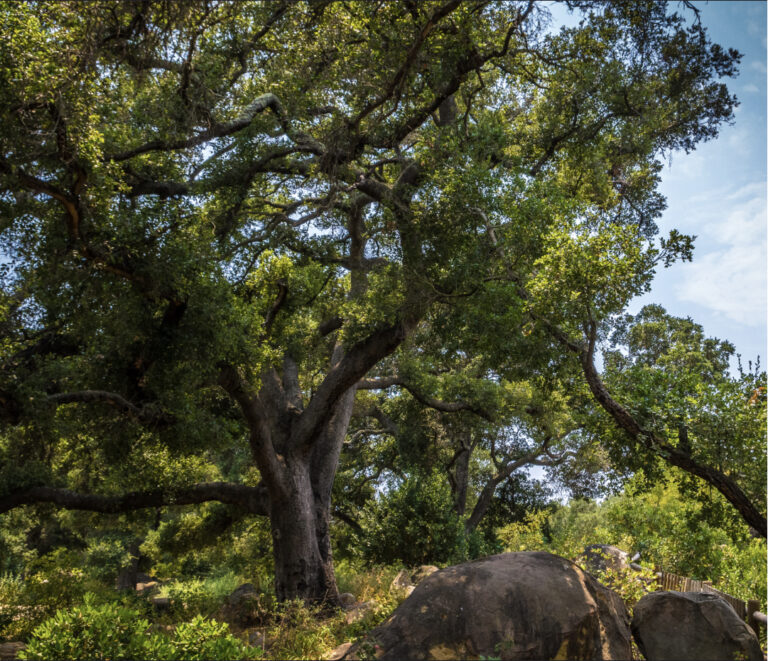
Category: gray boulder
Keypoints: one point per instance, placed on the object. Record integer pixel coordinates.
(239, 609)
(11, 650)
(530, 605)
(672, 626)
(161, 603)
(422, 572)
(401, 581)
(599, 557)
(406, 579)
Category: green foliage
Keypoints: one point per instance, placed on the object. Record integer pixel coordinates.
(203, 639)
(298, 632)
(14, 614)
(90, 632)
(415, 523)
(52, 582)
(190, 185)
(199, 597)
(106, 555)
(110, 631)
(294, 630)
(630, 584)
(371, 585)
(208, 542)
(525, 535)
(677, 383)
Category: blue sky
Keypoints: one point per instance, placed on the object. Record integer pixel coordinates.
(718, 193)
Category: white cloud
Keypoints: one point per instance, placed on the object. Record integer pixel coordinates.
(757, 65)
(750, 88)
(739, 139)
(754, 29)
(731, 279)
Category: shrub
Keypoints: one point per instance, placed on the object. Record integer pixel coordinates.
(89, 631)
(299, 632)
(654, 518)
(416, 524)
(525, 535)
(207, 639)
(52, 582)
(190, 598)
(14, 613)
(200, 596)
(111, 631)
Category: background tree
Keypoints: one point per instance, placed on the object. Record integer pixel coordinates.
(220, 217)
(677, 384)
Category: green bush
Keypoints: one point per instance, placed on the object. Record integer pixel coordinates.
(525, 535)
(52, 581)
(106, 555)
(111, 631)
(207, 639)
(89, 631)
(416, 524)
(14, 613)
(200, 596)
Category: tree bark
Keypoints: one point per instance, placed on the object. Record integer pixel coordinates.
(462, 481)
(303, 560)
(482, 505)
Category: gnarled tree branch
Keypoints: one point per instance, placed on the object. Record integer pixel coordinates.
(381, 383)
(252, 499)
(143, 414)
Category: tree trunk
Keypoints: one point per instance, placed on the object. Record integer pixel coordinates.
(482, 505)
(301, 541)
(461, 480)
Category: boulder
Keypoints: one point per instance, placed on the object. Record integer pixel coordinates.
(359, 611)
(401, 581)
(338, 652)
(147, 587)
(530, 605)
(10, 650)
(161, 603)
(347, 599)
(240, 606)
(406, 579)
(692, 625)
(422, 572)
(599, 557)
(244, 592)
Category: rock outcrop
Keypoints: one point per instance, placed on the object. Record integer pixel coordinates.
(678, 626)
(599, 557)
(406, 580)
(239, 608)
(512, 606)
(10, 650)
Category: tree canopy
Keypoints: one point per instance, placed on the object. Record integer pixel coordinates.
(224, 223)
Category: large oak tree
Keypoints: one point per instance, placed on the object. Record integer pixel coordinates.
(217, 218)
